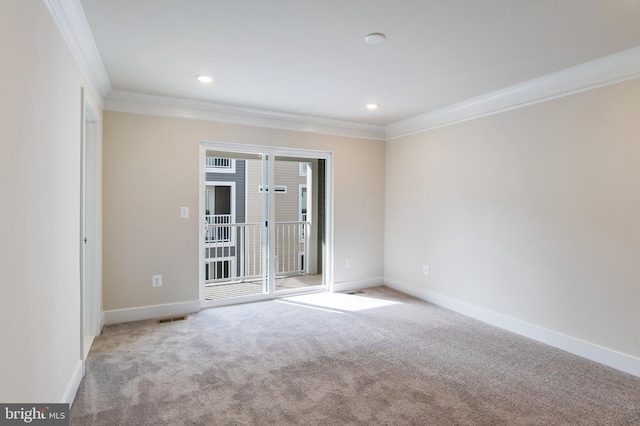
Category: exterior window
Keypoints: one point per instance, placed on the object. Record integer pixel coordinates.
(218, 270)
(302, 215)
(219, 205)
(303, 203)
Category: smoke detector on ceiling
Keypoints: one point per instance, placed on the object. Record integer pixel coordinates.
(374, 38)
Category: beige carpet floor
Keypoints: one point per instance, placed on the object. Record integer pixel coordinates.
(376, 358)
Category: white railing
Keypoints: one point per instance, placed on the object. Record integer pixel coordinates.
(234, 250)
(221, 231)
(291, 248)
(218, 163)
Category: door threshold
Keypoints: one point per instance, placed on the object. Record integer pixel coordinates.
(261, 297)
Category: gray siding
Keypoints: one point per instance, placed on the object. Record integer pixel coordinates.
(239, 178)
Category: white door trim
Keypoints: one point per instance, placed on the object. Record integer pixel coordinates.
(90, 228)
(272, 151)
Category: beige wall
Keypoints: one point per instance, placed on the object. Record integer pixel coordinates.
(40, 140)
(143, 234)
(532, 213)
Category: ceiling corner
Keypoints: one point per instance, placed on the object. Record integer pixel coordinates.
(72, 23)
(604, 71)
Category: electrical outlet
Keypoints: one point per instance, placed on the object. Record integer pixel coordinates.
(425, 269)
(156, 280)
(348, 263)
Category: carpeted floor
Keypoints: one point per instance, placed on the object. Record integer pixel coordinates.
(376, 358)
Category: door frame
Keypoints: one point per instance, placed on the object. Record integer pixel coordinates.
(233, 242)
(272, 151)
(232, 197)
(91, 319)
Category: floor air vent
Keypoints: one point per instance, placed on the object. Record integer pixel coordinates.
(172, 319)
(356, 292)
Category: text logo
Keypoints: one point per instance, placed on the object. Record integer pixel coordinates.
(34, 414)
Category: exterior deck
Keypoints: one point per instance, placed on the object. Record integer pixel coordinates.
(228, 289)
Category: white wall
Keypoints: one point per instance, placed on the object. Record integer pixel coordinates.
(143, 234)
(40, 134)
(532, 214)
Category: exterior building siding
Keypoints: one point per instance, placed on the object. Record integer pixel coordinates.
(239, 179)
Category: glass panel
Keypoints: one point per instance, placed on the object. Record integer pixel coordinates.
(264, 231)
(235, 231)
(296, 260)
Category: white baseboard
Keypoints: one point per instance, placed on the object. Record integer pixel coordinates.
(357, 284)
(74, 384)
(150, 312)
(600, 354)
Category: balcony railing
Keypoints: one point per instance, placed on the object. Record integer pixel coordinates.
(217, 228)
(234, 250)
(291, 248)
(219, 163)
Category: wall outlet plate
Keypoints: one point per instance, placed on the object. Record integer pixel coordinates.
(425, 269)
(156, 280)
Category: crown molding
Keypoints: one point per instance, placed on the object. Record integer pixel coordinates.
(200, 110)
(611, 69)
(72, 23)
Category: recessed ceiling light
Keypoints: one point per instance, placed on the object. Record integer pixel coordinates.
(371, 107)
(375, 38)
(203, 78)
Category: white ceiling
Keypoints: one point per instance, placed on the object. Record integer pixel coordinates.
(308, 57)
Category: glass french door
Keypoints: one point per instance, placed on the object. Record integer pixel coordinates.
(297, 261)
(262, 234)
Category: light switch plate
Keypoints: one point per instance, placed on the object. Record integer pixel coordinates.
(184, 212)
